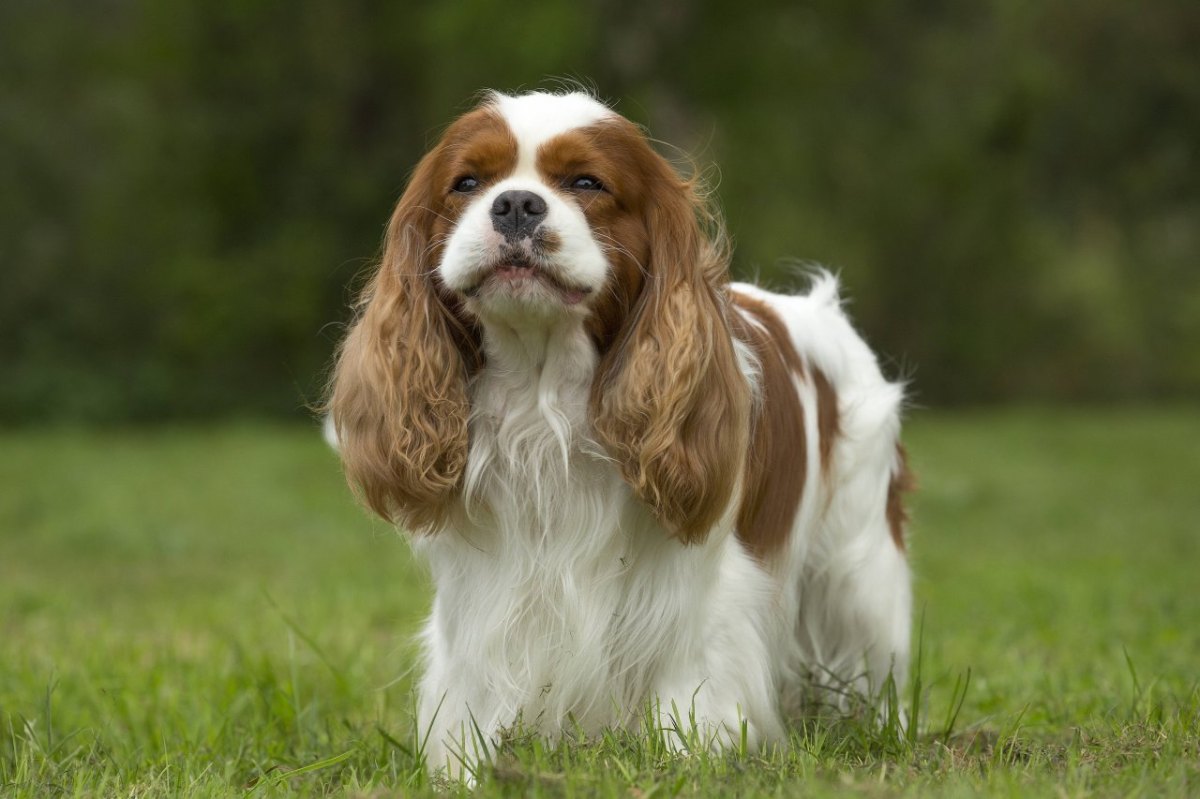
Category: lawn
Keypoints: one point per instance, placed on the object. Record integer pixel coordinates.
(204, 611)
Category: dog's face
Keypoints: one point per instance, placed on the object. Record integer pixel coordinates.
(521, 189)
(539, 209)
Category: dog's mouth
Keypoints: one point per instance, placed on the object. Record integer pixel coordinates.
(515, 273)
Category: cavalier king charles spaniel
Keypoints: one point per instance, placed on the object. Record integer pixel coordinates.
(648, 497)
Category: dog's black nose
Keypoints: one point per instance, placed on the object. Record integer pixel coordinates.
(516, 214)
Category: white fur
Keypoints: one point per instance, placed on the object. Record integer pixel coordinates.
(559, 596)
(562, 605)
(846, 587)
(537, 117)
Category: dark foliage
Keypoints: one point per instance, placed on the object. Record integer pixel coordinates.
(187, 190)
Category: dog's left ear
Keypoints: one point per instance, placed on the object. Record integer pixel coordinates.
(669, 402)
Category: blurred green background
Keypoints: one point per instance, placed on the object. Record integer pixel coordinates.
(188, 191)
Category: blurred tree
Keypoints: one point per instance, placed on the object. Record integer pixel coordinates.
(187, 191)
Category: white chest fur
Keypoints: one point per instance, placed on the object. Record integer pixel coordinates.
(560, 601)
(532, 582)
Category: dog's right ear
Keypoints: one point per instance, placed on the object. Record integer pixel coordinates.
(398, 395)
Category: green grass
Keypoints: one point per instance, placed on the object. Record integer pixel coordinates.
(206, 612)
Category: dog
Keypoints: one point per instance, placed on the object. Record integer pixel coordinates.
(647, 496)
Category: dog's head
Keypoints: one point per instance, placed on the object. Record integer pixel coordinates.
(529, 211)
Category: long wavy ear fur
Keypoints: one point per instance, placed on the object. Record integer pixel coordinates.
(670, 403)
(398, 395)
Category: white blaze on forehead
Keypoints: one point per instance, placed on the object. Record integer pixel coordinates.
(536, 118)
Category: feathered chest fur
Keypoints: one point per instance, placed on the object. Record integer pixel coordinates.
(540, 566)
(533, 469)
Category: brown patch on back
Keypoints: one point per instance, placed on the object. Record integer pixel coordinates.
(776, 465)
(828, 419)
(903, 481)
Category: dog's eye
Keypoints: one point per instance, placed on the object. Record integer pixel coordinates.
(587, 183)
(466, 184)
